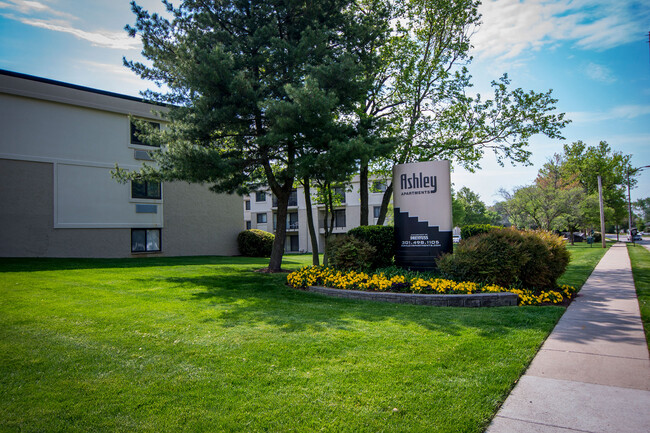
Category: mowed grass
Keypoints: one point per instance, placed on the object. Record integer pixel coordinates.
(640, 258)
(584, 258)
(205, 344)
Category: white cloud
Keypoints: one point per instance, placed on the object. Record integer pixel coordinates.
(98, 38)
(513, 27)
(37, 14)
(621, 112)
(600, 73)
(28, 7)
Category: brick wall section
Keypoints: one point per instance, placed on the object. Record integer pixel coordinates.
(503, 299)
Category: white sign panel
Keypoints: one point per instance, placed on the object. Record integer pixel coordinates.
(423, 224)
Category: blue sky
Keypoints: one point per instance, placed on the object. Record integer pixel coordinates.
(593, 54)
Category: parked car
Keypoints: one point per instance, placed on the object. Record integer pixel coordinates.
(637, 237)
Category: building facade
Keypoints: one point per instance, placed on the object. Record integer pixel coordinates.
(260, 212)
(58, 145)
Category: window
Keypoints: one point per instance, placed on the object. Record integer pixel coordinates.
(339, 191)
(145, 189)
(293, 221)
(135, 131)
(376, 211)
(378, 186)
(292, 243)
(261, 218)
(339, 218)
(248, 225)
(247, 204)
(145, 240)
(293, 198)
(260, 196)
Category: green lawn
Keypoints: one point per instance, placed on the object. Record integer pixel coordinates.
(207, 344)
(584, 259)
(640, 258)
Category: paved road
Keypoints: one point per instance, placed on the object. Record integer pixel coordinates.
(593, 372)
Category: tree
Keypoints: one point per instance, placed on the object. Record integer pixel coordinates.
(421, 90)
(473, 210)
(257, 91)
(586, 163)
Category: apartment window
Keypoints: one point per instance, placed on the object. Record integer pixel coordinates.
(248, 225)
(339, 191)
(378, 186)
(135, 131)
(339, 218)
(145, 189)
(145, 240)
(293, 198)
(247, 204)
(260, 196)
(376, 210)
(261, 218)
(292, 243)
(292, 224)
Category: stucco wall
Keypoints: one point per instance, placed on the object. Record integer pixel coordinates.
(200, 222)
(27, 219)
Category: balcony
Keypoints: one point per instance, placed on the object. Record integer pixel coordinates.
(290, 226)
(293, 200)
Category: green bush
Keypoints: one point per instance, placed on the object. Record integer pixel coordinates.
(470, 230)
(350, 253)
(380, 237)
(509, 258)
(598, 238)
(255, 243)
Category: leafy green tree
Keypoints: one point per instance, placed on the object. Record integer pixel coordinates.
(257, 90)
(474, 210)
(421, 90)
(586, 163)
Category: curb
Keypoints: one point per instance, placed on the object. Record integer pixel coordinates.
(502, 299)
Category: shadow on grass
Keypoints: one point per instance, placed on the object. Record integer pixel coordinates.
(60, 264)
(250, 299)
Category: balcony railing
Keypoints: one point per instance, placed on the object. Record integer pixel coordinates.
(290, 226)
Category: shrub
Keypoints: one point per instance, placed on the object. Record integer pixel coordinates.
(598, 237)
(350, 253)
(470, 230)
(380, 237)
(508, 257)
(255, 243)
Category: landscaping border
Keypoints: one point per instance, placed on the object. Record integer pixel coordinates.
(501, 299)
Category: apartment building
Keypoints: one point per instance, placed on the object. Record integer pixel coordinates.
(58, 145)
(260, 212)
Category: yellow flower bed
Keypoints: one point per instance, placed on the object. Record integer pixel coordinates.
(351, 280)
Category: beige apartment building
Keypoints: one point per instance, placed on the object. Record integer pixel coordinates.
(58, 145)
(260, 212)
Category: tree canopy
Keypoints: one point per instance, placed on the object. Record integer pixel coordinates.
(260, 93)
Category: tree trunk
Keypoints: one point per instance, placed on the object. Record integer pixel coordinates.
(363, 193)
(275, 264)
(384, 204)
(310, 223)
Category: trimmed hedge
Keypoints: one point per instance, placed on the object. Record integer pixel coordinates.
(255, 243)
(350, 253)
(470, 230)
(382, 238)
(509, 258)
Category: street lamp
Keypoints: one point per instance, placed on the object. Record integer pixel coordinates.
(629, 201)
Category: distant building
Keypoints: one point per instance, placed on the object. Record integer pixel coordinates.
(58, 144)
(260, 212)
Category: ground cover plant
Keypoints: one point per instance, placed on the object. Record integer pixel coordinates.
(208, 344)
(640, 258)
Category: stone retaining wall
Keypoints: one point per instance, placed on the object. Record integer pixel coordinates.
(502, 299)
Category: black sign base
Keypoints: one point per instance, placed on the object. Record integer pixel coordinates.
(417, 245)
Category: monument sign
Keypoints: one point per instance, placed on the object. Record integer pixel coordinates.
(422, 208)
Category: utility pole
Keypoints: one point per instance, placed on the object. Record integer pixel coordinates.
(602, 211)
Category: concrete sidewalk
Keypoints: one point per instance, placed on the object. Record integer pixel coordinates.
(593, 372)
